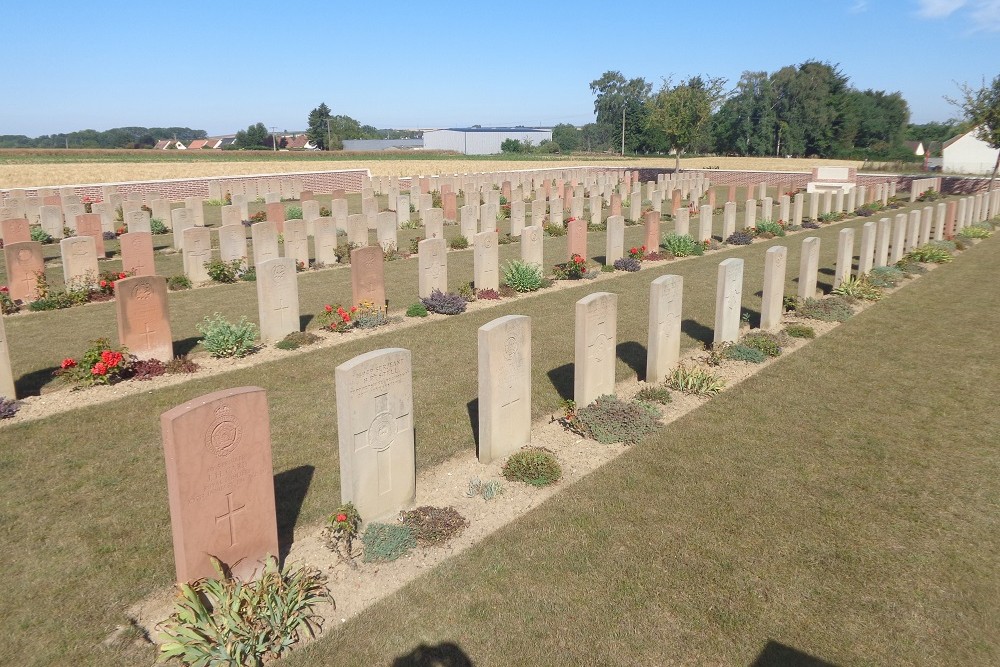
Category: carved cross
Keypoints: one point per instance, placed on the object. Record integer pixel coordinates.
(378, 438)
(228, 516)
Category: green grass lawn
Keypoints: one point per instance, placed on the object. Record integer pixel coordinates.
(84, 504)
(841, 504)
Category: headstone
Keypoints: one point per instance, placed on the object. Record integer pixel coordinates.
(137, 221)
(614, 248)
(197, 251)
(276, 215)
(912, 231)
(939, 219)
(576, 236)
(486, 273)
(15, 230)
(898, 238)
(6, 372)
(197, 207)
(220, 483)
(325, 241)
(814, 198)
(469, 222)
(24, 262)
(70, 213)
(728, 219)
(595, 347)
(537, 212)
(926, 221)
(310, 211)
(596, 211)
(432, 266)
(143, 317)
(180, 220)
(635, 207)
(264, 236)
(728, 300)
(434, 223)
(79, 258)
(368, 276)
(797, 209)
(89, 224)
(162, 212)
(51, 219)
(616, 204)
(516, 217)
(449, 204)
(785, 205)
(767, 209)
(705, 224)
(750, 214)
(357, 230)
(277, 299)
(531, 245)
(682, 222)
(809, 268)
(297, 242)
(664, 340)
(232, 242)
(504, 386)
(137, 253)
(375, 432)
(773, 297)
(845, 256)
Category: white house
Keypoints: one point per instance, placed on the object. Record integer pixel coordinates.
(481, 140)
(965, 154)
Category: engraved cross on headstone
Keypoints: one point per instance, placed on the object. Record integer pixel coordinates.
(228, 516)
(379, 436)
(147, 333)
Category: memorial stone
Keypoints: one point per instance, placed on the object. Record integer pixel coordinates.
(809, 268)
(79, 258)
(728, 300)
(368, 276)
(595, 347)
(277, 299)
(486, 261)
(773, 295)
(664, 339)
(24, 264)
(143, 317)
(137, 253)
(504, 386)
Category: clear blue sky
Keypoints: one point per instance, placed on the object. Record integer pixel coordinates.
(220, 66)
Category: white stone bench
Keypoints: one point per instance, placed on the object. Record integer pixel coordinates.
(832, 179)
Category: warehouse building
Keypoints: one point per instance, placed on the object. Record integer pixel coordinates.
(481, 140)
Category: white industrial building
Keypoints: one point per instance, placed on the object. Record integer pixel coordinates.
(481, 140)
(966, 154)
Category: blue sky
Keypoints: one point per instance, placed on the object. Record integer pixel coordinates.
(220, 66)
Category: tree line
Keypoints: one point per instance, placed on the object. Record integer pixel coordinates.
(118, 137)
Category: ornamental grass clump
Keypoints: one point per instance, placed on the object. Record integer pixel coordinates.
(765, 227)
(695, 381)
(444, 303)
(654, 394)
(385, 542)
(975, 232)
(227, 621)
(929, 254)
(609, 420)
(223, 338)
(536, 466)
(521, 276)
(858, 288)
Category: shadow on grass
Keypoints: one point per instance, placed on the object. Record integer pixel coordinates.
(31, 384)
(445, 654)
(754, 316)
(697, 331)
(776, 654)
(185, 346)
(562, 380)
(600, 259)
(633, 354)
(472, 407)
(290, 489)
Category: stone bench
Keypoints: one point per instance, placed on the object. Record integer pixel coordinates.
(832, 179)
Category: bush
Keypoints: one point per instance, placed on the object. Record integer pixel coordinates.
(226, 621)
(293, 213)
(459, 243)
(910, 267)
(385, 542)
(949, 246)
(445, 304)
(885, 276)
(767, 343)
(554, 230)
(741, 352)
(769, 227)
(858, 288)
(156, 226)
(929, 254)
(147, 369)
(695, 381)
(433, 526)
(296, 339)
(740, 238)
(416, 310)
(8, 407)
(627, 264)
(521, 276)
(800, 331)
(831, 309)
(533, 465)
(7, 305)
(574, 269)
(654, 394)
(609, 420)
(974, 232)
(177, 283)
(466, 292)
(224, 339)
(40, 235)
(224, 272)
(100, 364)
(682, 245)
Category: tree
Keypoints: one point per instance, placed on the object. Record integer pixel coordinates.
(746, 124)
(255, 137)
(615, 95)
(681, 115)
(981, 108)
(567, 136)
(317, 129)
(511, 146)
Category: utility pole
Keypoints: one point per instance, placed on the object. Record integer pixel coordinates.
(623, 131)
(329, 135)
(274, 143)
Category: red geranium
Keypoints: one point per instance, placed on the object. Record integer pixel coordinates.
(68, 362)
(99, 369)
(341, 517)
(111, 358)
(104, 283)
(122, 275)
(328, 308)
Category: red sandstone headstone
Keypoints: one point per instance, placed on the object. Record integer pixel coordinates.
(306, 195)
(24, 263)
(616, 204)
(576, 233)
(89, 224)
(449, 202)
(675, 202)
(143, 318)
(425, 185)
(446, 188)
(15, 230)
(52, 200)
(276, 214)
(505, 189)
(652, 238)
(338, 194)
(731, 195)
(137, 253)
(220, 482)
(949, 219)
(711, 198)
(368, 275)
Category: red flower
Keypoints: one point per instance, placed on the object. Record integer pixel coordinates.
(99, 369)
(68, 362)
(111, 284)
(643, 248)
(328, 308)
(111, 358)
(4, 289)
(346, 317)
(122, 275)
(104, 283)
(341, 517)
(633, 250)
(354, 309)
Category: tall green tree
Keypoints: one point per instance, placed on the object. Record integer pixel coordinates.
(255, 137)
(746, 123)
(317, 129)
(567, 136)
(680, 115)
(981, 108)
(618, 99)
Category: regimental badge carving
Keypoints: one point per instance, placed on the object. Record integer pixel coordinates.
(224, 434)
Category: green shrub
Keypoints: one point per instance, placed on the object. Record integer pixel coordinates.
(682, 245)
(459, 243)
(386, 542)
(695, 381)
(224, 272)
(224, 339)
(521, 276)
(948, 246)
(177, 283)
(929, 254)
(885, 276)
(433, 526)
(40, 235)
(554, 230)
(293, 213)
(768, 343)
(609, 420)
(156, 226)
(769, 227)
(533, 465)
(296, 339)
(227, 621)
(800, 331)
(740, 352)
(858, 288)
(654, 394)
(831, 309)
(416, 310)
(910, 267)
